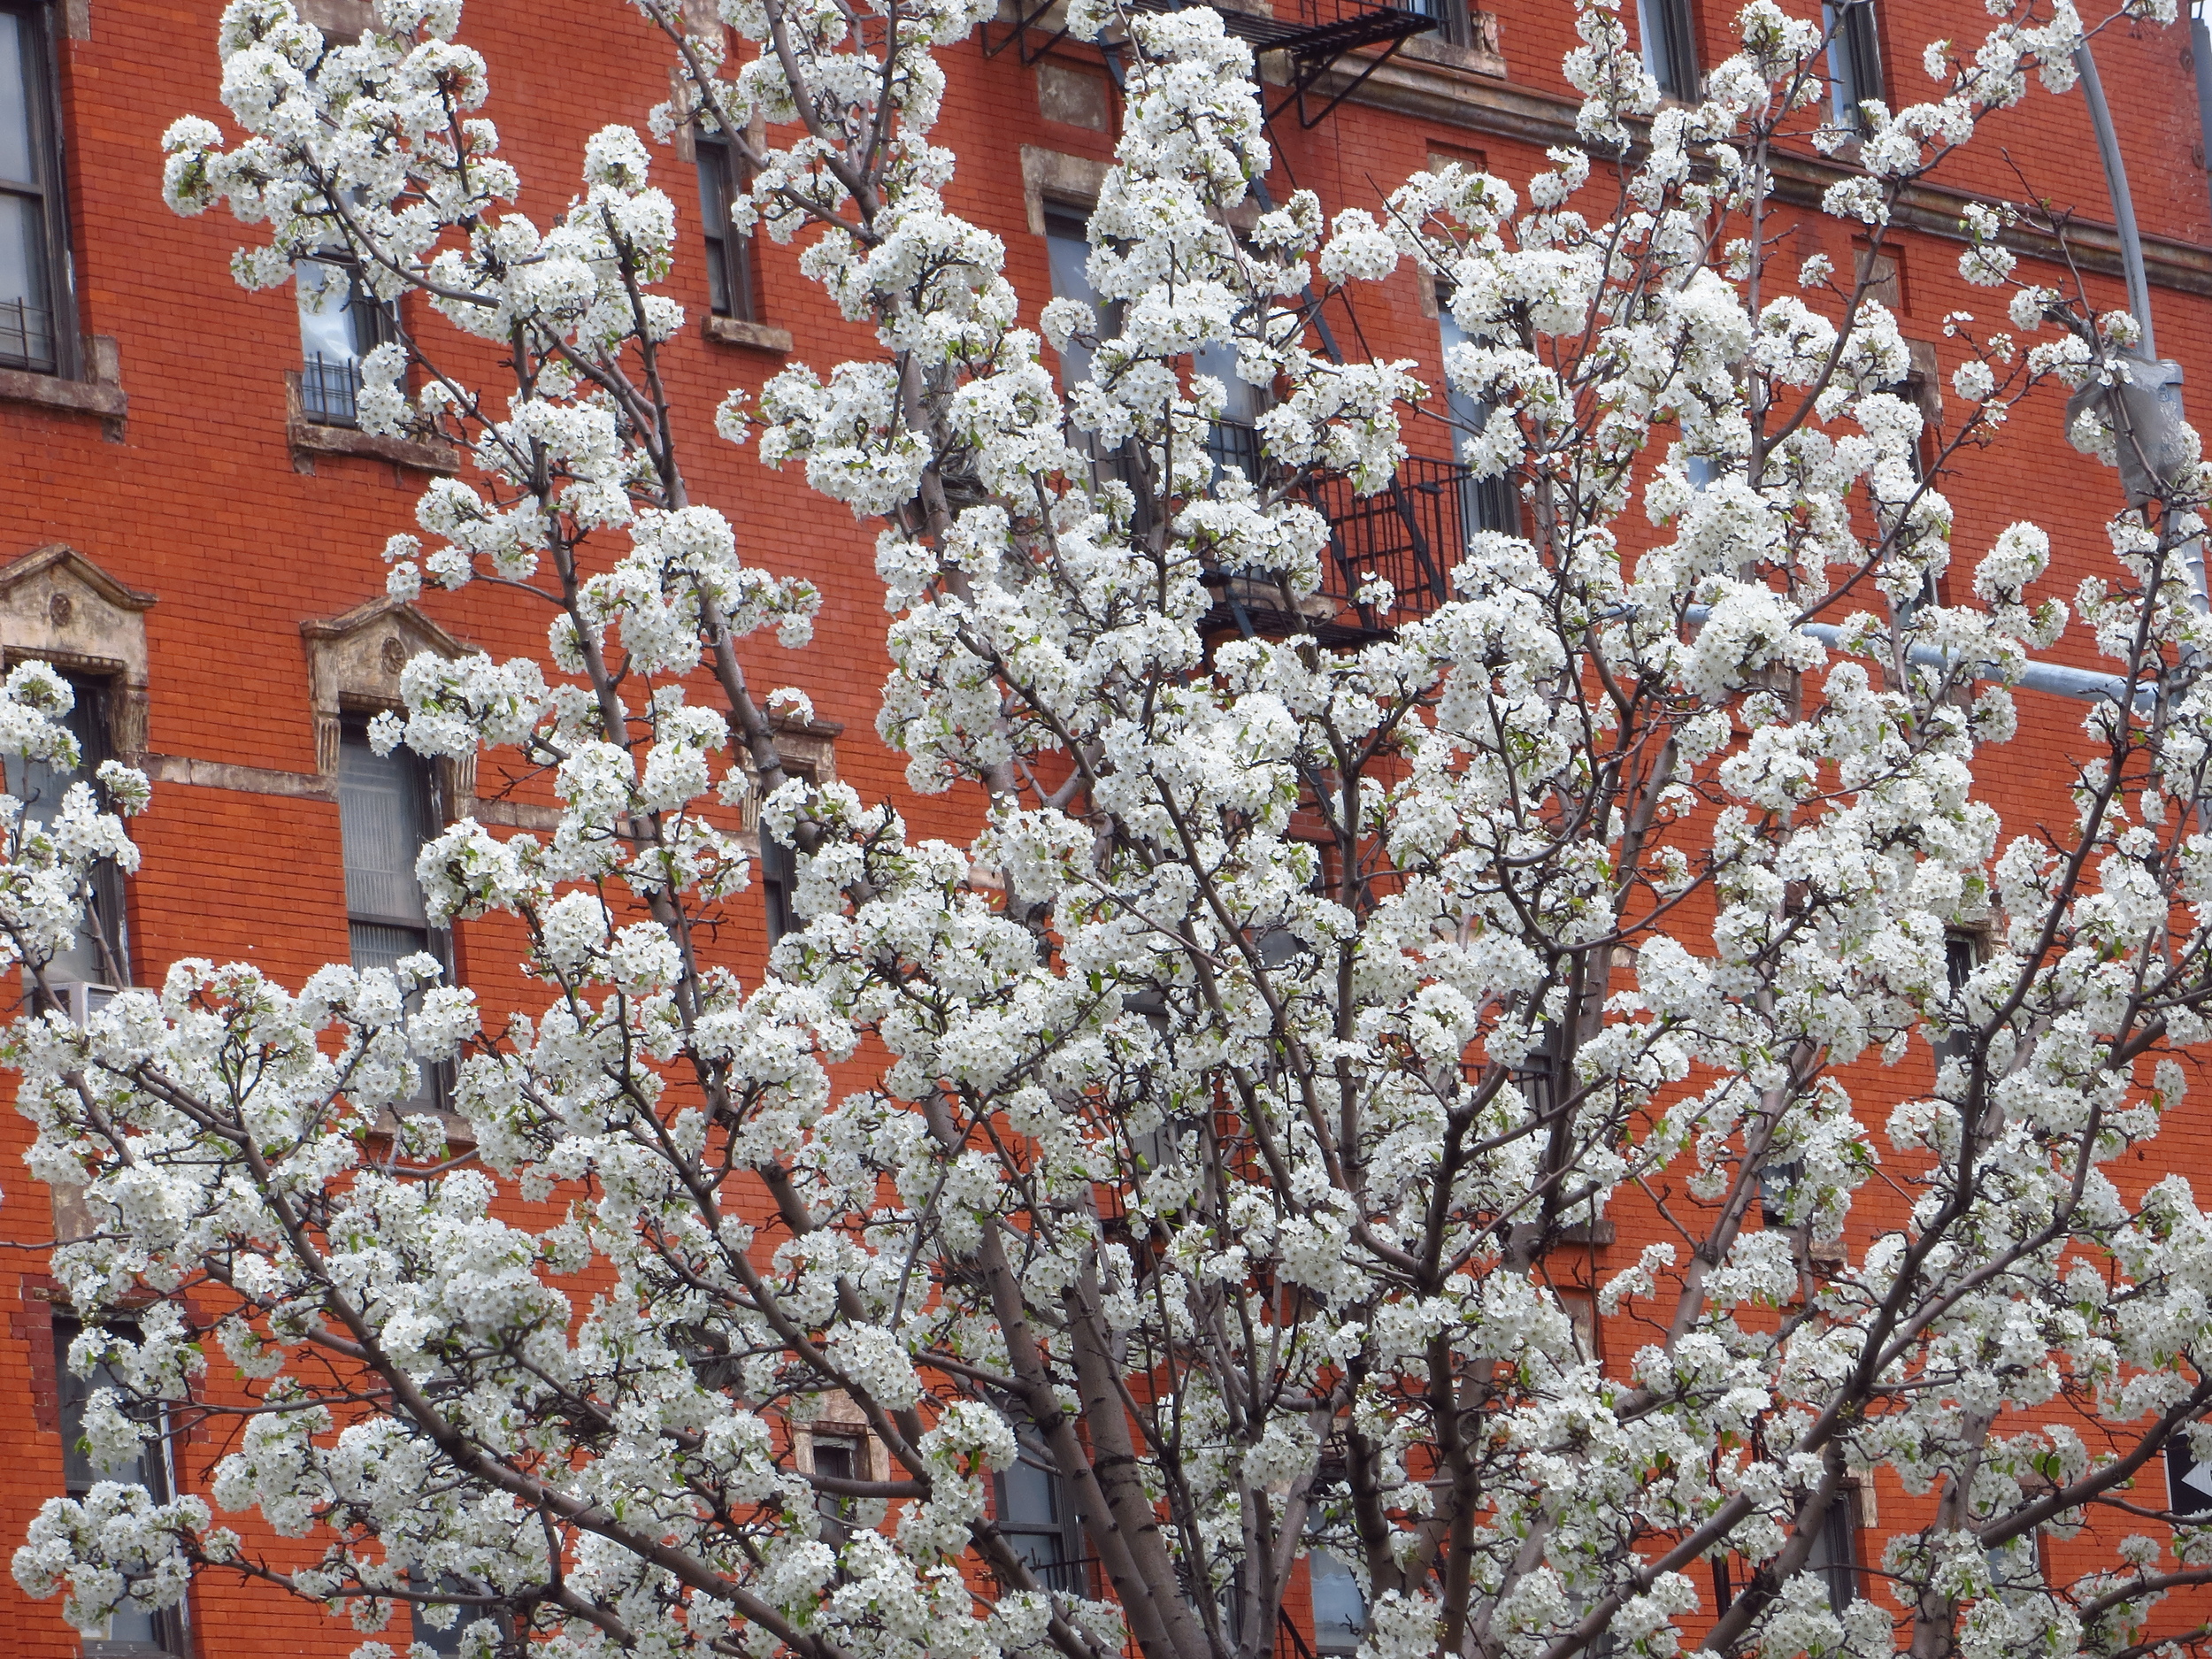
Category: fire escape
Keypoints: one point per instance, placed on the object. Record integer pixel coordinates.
(1390, 554)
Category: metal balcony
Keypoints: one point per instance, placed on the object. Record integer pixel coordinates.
(1410, 535)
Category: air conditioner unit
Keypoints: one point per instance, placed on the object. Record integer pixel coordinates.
(80, 999)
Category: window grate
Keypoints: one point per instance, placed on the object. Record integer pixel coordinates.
(27, 335)
(330, 390)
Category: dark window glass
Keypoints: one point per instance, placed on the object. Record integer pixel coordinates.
(128, 1633)
(99, 956)
(1454, 24)
(840, 1459)
(1835, 1554)
(385, 816)
(35, 329)
(1670, 46)
(729, 255)
(1854, 60)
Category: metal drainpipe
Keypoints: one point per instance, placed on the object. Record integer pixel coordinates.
(2200, 59)
(2130, 240)
(2115, 180)
(2059, 679)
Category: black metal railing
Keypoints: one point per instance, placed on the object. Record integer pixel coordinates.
(330, 389)
(1410, 535)
(27, 335)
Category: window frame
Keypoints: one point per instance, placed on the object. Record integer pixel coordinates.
(90, 723)
(1667, 40)
(1855, 61)
(42, 120)
(436, 1092)
(1068, 1571)
(715, 159)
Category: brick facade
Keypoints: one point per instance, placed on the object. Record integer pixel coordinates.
(174, 464)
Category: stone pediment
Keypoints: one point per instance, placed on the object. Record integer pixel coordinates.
(57, 606)
(354, 664)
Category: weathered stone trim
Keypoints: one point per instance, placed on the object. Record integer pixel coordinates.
(732, 331)
(216, 775)
(311, 438)
(57, 606)
(100, 393)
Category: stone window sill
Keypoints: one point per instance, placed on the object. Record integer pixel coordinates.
(311, 438)
(99, 395)
(729, 331)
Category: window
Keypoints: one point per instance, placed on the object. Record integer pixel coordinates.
(384, 815)
(779, 871)
(839, 1458)
(128, 1635)
(1485, 504)
(729, 255)
(1234, 440)
(1961, 954)
(1068, 251)
(2017, 1570)
(779, 884)
(98, 956)
(1854, 60)
(35, 330)
(1670, 47)
(341, 323)
(1835, 1554)
(1775, 1182)
(1339, 1611)
(1037, 1519)
(445, 1643)
(1455, 21)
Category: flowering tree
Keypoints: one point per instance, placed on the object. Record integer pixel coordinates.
(1235, 1091)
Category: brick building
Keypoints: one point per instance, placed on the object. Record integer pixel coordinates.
(190, 524)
